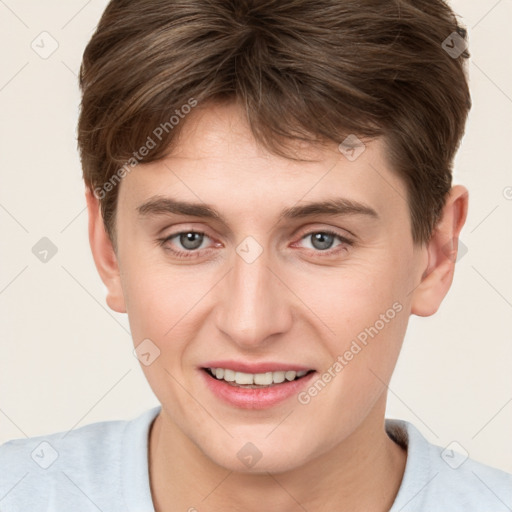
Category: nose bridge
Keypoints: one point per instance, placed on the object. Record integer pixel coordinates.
(254, 306)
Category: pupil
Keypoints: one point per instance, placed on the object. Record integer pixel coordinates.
(191, 240)
(322, 241)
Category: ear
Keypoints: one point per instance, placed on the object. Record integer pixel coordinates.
(442, 252)
(104, 255)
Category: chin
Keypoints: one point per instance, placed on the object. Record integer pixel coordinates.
(258, 456)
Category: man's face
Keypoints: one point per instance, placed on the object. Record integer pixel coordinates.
(263, 292)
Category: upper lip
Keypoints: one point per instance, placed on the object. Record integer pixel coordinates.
(262, 367)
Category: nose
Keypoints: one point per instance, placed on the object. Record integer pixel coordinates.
(255, 305)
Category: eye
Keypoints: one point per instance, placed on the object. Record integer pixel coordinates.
(190, 243)
(185, 243)
(190, 240)
(322, 241)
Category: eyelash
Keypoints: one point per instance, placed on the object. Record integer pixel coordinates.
(194, 253)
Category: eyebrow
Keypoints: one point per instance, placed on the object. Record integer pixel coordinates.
(159, 205)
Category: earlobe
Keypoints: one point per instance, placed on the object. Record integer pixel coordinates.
(442, 252)
(104, 254)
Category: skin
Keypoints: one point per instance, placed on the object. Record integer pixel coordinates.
(295, 303)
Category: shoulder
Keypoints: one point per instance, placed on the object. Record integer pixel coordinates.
(73, 467)
(471, 484)
(87, 445)
(438, 478)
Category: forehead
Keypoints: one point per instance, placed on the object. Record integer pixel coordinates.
(216, 160)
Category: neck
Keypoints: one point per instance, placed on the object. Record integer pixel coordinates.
(362, 473)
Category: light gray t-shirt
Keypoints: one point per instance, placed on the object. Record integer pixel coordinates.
(104, 467)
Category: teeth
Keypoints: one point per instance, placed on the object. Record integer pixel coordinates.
(263, 379)
(258, 379)
(229, 375)
(278, 377)
(290, 375)
(244, 378)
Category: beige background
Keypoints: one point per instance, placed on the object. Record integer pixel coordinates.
(66, 360)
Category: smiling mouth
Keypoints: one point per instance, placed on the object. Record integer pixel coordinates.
(255, 380)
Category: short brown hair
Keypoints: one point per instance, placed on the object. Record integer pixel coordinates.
(301, 69)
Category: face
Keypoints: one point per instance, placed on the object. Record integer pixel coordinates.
(258, 284)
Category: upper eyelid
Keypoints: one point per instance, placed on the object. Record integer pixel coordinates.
(305, 231)
(332, 231)
(341, 238)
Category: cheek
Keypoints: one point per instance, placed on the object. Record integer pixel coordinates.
(349, 300)
(163, 307)
(159, 299)
(363, 356)
(367, 314)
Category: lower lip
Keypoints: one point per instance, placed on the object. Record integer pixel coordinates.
(254, 398)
